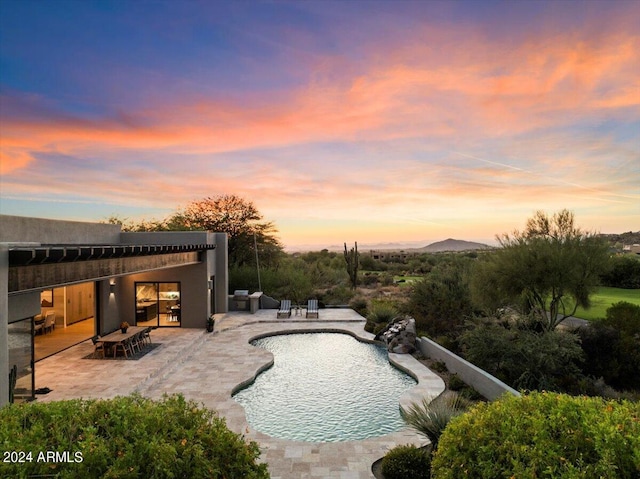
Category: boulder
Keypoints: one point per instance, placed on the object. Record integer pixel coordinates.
(399, 335)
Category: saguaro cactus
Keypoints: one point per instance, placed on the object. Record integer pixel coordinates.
(352, 259)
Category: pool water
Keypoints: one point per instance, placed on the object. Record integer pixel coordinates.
(325, 387)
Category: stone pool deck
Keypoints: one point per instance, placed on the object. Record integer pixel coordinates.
(208, 367)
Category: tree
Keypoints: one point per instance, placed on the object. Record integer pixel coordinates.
(549, 269)
(440, 302)
(623, 273)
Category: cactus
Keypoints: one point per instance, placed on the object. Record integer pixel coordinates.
(352, 259)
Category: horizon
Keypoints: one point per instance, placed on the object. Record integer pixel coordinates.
(376, 122)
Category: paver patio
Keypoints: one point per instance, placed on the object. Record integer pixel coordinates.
(208, 367)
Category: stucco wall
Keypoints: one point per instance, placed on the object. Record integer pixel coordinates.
(193, 294)
(22, 229)
(22, 306)
(166, 237)
(483, 382)
(4, 326)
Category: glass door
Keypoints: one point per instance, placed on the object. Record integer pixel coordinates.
(21, 378)
(158, 304)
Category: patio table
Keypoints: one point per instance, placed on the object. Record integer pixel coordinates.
(118, 337)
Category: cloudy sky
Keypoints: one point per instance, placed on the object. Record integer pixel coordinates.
(341, 120)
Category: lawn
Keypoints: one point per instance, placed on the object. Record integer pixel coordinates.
(406, 280)
(604, 298)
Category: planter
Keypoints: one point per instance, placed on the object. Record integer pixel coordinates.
(124, 330)
(210, 325)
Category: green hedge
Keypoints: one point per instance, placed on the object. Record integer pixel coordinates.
(124, 437)
(542, 435)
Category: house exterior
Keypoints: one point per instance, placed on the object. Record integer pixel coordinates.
(92, 276)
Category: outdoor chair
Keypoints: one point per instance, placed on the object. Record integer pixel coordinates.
(98, 347)
(125, 346)
(285, 309)
(146, 335)
(312, 308)
(134, 343)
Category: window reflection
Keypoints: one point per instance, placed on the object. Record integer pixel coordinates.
(21, 356)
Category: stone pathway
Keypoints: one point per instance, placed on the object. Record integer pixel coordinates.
(207, 368)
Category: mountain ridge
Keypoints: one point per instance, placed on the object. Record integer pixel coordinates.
(451, 244)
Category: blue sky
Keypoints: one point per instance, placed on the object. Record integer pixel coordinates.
(367, 121)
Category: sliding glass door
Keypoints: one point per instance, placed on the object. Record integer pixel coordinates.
(158, 304)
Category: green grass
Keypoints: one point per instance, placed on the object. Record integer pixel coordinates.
(604, 298)
(407, 279)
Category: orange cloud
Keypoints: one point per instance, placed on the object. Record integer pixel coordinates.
(541, 84)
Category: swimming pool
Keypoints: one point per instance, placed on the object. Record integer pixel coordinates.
(325, 387)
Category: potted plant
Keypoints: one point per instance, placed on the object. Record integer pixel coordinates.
(211, 321)
(123, 326)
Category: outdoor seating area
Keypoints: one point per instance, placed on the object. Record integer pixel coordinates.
(135, 339)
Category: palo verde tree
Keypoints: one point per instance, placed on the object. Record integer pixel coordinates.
(352, 258)
(549, 269)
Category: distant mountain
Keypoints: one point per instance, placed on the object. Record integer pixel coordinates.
(408, 246)
(453, 245)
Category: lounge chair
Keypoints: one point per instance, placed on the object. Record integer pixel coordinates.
(312, 308)
(285, 309)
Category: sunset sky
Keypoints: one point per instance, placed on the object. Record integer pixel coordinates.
(342, 121)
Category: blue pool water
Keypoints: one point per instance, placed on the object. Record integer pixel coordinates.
(325, 387)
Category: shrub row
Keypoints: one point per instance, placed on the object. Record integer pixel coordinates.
(125, 437)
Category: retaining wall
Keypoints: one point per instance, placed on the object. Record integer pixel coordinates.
(483, 382)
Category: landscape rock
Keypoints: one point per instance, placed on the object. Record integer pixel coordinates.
(399, 335)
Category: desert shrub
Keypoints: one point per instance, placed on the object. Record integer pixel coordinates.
(337, 295)
(455, 383)
(439, 366)
(126, 437)
(359, 305)
(625, 317)
(612, 348)
(543, 435)
(369, 279)
(407, 462)
(441, 302)
(430, 417)
(381, 313)
(523, 358)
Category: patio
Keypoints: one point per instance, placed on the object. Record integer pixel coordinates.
(208, 367)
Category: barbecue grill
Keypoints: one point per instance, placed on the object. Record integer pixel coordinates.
(241, 297)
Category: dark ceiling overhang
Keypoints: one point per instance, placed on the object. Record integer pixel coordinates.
(51, 266)
(25, 256)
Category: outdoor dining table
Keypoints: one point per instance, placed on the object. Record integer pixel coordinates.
(118, 337)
